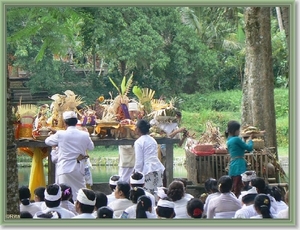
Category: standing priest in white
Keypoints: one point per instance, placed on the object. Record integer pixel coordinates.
(72, 146)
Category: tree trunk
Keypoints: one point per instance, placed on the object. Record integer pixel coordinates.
(12, 195)
(258, 88)
(279, 19)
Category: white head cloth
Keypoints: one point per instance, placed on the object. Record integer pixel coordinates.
(248, 176)
(112, 182)
(160, 192)
(140, 181)
(69, 114)
(81, 197)
(165, 203)
(53, 197)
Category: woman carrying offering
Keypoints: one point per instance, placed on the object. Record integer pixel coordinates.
(236, 148)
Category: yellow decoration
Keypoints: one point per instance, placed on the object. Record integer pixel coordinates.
(266, 201)
(101, 99)
(37, 175)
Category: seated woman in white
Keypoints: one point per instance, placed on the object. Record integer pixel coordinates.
(135, 193)
(262, 205)
(122, 201)
(225, 205)
(211, 187)
(176, 193)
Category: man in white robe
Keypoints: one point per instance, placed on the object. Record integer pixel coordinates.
(72, 147)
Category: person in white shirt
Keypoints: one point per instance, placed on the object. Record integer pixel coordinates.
(113, 180)
(144, 208)
(135, 193)
(247, 211)
(25, 204)
(184, 181)
(284, 214)
(52, 201)
(262, 205)
(101, 201)
(39, 198)
(137, 179)
(176, 193)
(73, 145)
(211, 187)
(261, 188)
(165, 208)
(105, 212)
(195, 208)
(277, 194)
(85, 204)
(146, 157)
(246, 180)
(225, 205)
(66, 198)
(122, 201)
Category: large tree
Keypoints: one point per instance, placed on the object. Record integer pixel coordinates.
(12, 196)
(258, 89)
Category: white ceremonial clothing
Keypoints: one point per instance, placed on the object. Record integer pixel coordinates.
(274, 207)
(54, 159)
(246, 212)
(110, 198)
(84, 216)
(146, 155)
(43, 207)
(127, 156)
(283, 214)
(131, 211)
(281, 205)
(69, 206)
(188, 196)
(152, 198)
(119, 205)
(32, 208)
(126, 162)
(208, 198)
(224, 215)
(65, 214)
(180, 208)
(256, 217)
(40, 204)
(71, 143)
(226, 202)
(151, 215)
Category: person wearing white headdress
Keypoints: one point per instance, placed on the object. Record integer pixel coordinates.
(113, 180)
(165, 208)
(73, 145)
(246, 179)
(53, 200)
(247, 211)
(85, 204)
(137, 179)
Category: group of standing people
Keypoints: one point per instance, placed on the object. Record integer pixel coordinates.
(72, 145)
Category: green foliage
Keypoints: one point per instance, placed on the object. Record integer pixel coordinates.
(216, 101)
(281, 100)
